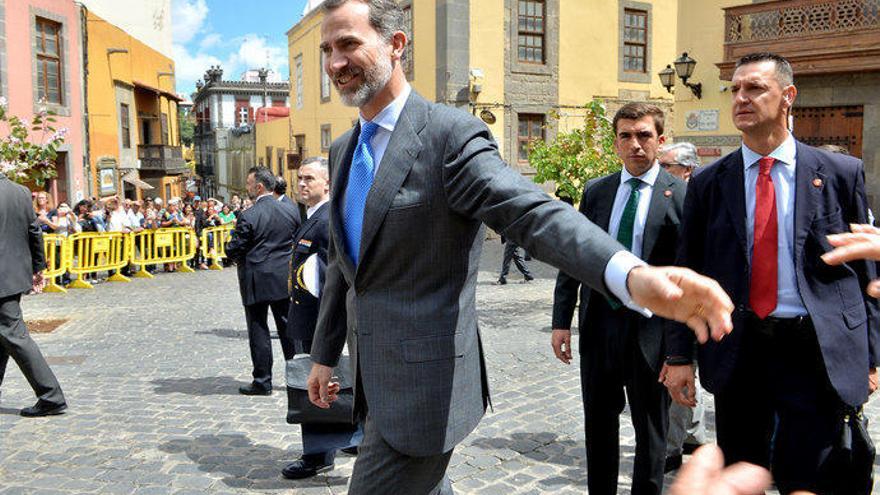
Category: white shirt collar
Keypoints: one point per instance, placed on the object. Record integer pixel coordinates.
(649, 177)
(785, 153)
(311, 210)
(262, 196)
(387, 118)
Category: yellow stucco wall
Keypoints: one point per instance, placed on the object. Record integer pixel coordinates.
(701, 34)
(487, 53)
(140, 64)
(274, 134)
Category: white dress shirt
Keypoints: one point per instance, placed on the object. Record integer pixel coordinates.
(617, 269)
(387, 121)
(312, 209)
(789, 303)
(646, 188)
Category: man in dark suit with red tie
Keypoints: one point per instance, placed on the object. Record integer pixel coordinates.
(805, 335)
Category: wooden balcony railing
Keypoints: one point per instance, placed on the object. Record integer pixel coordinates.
(817, 36)
(162, 157)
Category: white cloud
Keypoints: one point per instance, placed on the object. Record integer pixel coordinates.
(255, 52)
(190, 68)
(187, 17)
(210, 41)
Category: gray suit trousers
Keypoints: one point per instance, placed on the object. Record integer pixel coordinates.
(380, 469)
(16, 342)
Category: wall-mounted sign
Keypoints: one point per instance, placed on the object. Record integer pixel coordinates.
(107, 179)
(707, 151)
(702, 120)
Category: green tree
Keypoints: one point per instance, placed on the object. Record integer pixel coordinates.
(576, 156)
(187, 128)
(25, 157)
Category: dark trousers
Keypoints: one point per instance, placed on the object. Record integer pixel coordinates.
(16, 342)
(612, 361)
(511, 253)
(321, 441)
(382, 470)
(260, 343)
(779, 394)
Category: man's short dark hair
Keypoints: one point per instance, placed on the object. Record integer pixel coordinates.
(784, 73)
(386, 16)
(280, 185)
(264, 176)
(637, 110)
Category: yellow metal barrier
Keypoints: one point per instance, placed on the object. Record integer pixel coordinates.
(93, 252)
(57, 259)
(156, 247)
(214, 241)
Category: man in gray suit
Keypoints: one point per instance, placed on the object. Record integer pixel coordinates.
(22, 262)
(412, 184)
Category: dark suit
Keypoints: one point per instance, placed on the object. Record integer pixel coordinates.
(21, 256)
(319, 440)
(408, 307)
(261, 246)
(286, 200)
(620, 348)
(799, 374)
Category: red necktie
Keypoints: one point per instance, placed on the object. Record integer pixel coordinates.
(763, 293)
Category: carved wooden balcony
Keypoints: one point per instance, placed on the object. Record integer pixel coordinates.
(816, 36)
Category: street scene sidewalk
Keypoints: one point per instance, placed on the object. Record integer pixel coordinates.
(151, 370)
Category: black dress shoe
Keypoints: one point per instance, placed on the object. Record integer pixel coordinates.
(501, 281)
(528, 278)
(690, 448)
(301, 468)
(350, 450)
(43, 409)
(673, 462)
(252, 389)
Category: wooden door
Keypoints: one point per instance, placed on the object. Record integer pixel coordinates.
(841, 126)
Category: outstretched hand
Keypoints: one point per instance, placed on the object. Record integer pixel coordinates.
(863, 243)
(705, 474)
(685, 296)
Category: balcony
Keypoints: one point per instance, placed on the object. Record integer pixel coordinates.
(816, 36)
(162, 158)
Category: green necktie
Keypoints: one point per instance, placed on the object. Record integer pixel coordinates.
(625, 228)
(628, 219)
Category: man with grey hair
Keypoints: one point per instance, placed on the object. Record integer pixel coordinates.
(412, 183)
(679, 159)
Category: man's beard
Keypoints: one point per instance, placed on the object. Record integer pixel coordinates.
(374, 79)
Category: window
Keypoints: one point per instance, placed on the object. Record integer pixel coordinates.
(530, 26)
(298, 63)
(48, 52)
(408, 66)
(124, 121)
(326, 137)
(531, 127)
(635, 40)
(242, 115)
(325, 80)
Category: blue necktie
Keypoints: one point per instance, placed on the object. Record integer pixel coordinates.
(360, 178)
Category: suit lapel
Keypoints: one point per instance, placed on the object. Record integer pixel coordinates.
(733, 191)
(604, 203)
(807, 195)
(341, 166)
(398, 160)
(657, 209)
(307, 226)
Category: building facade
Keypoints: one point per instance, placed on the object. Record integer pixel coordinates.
(832, 45)
(221, 106)
(134, 135)
(515, 63)
(41, 51)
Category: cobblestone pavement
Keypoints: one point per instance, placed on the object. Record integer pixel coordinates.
(151, 371)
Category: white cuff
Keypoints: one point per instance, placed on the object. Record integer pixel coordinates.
(616, 272)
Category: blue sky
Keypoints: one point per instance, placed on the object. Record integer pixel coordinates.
(238, 35)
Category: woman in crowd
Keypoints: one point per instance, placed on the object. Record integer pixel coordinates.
(43, 207)
(226, 216)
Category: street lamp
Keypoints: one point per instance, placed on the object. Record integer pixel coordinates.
(684, 67)
(667, 77)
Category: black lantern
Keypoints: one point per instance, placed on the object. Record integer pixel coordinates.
(667, 78)
(684, 67)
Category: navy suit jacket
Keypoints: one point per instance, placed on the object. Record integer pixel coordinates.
(829, 195)
(313, 237)
(658, 248)
(261, 245)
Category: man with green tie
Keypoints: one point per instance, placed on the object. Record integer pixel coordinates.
(621, 349)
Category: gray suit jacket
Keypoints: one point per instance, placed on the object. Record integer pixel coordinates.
(408, 308)
(21, 241)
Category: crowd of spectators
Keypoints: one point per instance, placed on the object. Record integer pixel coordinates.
(115, 214)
